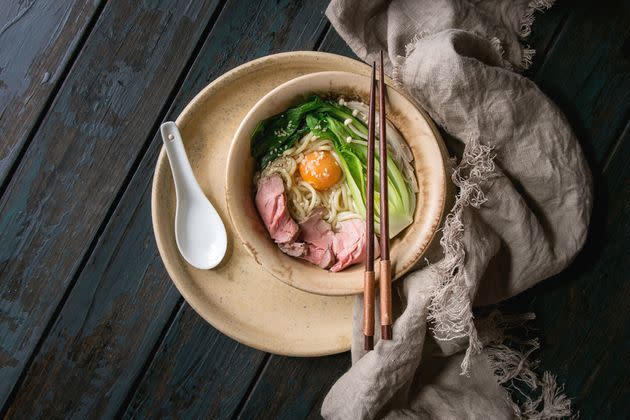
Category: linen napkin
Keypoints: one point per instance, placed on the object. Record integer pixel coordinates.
(521, 213)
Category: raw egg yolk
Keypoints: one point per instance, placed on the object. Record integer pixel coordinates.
(320, 169)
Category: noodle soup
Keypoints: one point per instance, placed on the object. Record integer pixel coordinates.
(310, 181)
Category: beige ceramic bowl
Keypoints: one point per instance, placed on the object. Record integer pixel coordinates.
(406, 249)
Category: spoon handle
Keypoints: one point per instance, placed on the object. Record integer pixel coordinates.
(180, 165)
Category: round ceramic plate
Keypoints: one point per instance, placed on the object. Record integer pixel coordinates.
(239, 297)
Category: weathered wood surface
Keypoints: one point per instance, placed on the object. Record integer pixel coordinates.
(121, 340)
(587, 73)
(78, 160)
(123, 299)
(587, 333)
(197, 373)
(293, 388)
(31, 67)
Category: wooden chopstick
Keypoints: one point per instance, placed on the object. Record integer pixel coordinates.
(386, 267)
(368, 279)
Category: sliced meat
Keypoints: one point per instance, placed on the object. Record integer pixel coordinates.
(319, 256)
(317, 236)
(313, 240)
(294, 249)
(349, 244)
(271, 201)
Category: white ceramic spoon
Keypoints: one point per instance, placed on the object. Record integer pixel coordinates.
(199, 231)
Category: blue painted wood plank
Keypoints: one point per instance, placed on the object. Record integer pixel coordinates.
(37, 42)
(123, 299)
(78, 160)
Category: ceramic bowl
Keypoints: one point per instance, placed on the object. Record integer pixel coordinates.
(407, 248)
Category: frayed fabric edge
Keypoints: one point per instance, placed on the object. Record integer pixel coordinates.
(527, 20)
(515, 371)
(525, 29)
(450, 310)
(498, 47)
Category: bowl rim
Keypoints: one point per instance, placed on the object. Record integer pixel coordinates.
(342, 290)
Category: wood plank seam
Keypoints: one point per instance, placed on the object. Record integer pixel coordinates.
(51, 97)
(322, 36)
(613, 149)
(252, 386)
(145, 366)
(114, 205)
(545, 53)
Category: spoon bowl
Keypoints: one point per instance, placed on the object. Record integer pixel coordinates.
(199, 231)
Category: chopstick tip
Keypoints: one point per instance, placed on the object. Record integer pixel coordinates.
(368, 342)
(386, 332)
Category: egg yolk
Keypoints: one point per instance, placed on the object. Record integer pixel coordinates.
(320, 169)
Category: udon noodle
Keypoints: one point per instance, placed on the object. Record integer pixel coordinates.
(302, 197)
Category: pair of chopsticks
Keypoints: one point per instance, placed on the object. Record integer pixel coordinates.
(385, 265)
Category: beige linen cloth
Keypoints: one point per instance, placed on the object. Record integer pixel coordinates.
(521, 213)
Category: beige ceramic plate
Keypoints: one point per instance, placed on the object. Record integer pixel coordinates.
(406, 249)
(239, 297)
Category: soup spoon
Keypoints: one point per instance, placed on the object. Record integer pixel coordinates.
(199, 230)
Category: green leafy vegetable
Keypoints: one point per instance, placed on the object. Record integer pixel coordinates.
(327, 119)
(273, 136)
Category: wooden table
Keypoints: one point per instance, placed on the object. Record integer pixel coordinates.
(91, 325)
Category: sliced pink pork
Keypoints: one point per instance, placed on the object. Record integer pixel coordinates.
(318, 237)
(349, 244)
(271, 201)
(294, 249)
(313, 240)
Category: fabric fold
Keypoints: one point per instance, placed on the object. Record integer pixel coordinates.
(524, 198)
